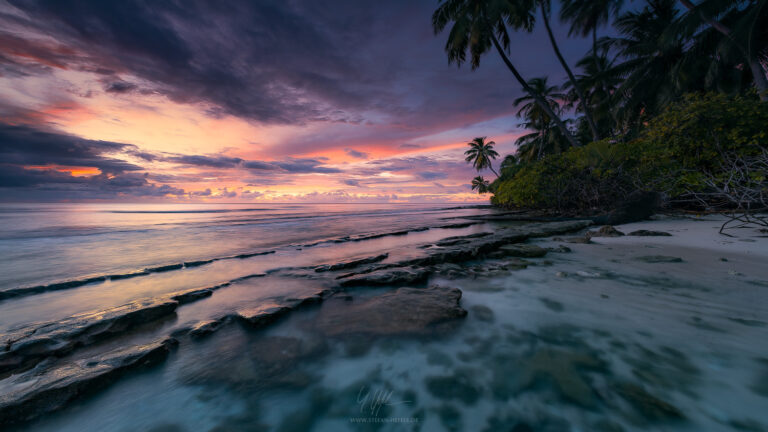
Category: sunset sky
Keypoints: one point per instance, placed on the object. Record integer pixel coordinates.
(241, 101)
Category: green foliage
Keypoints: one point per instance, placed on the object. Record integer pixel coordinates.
(674, 155)
(688, 140)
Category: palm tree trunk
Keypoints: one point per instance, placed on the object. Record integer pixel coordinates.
(536, 97)
(541, 144)
(571, 77)
(758, 74)
(490, 167)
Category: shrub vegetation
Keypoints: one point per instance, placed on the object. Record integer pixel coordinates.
(686, 153)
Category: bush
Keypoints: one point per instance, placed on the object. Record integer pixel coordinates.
(580, 179)
(679, 153)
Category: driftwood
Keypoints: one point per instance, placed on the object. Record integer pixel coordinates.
(738, 188)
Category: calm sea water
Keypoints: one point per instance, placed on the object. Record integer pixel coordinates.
(45, 243)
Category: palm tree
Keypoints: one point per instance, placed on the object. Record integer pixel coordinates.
(599, 82)
(480, 24)
(545, 139)
(586, 16)
(509, 161)
(538, 119)
(545, 8)
(651, 70)
(481, 153)
(744, 29)
(481, 185)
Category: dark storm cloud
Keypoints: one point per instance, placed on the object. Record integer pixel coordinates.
(305, 165)
(120, 87)
(21, 184)
(352, 182)
(409, 146)
(269, 61)
(259, 166)
(34, 164)
(288, 165)
(432, 175)
(356, 154)
(282, 62)
(24, 145)
(205, 161)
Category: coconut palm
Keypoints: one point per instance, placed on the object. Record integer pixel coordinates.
(599, 82)
(479, 25)
(481, 185)
(509, 161)
(742, 27)
(538, 119)
(586, 16)
(481, 153)
(529, 109)
(545, 139)
(545, 10)
(651, 66)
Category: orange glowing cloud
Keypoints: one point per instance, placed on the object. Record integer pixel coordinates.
(71, 170)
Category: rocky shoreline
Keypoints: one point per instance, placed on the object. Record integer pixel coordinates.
(33, 356)
(46, 366)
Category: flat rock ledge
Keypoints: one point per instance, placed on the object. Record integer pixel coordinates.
(25, 347)
(406, 311)
(351, 264)
(43, 390)
(460, 249)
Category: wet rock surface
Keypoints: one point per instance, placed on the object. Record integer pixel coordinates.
(351, 264)
(389, 277)
(461, 249)
(406, 311)
(26, 347)
(524, 250)
(605, 231)
(649, 233)
(659, 259)
(649, 406)
(50, 387)
(574, 240)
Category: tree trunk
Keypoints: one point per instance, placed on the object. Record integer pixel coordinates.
(571, 77)
(537, 97)
(758, 74)
(490, 167)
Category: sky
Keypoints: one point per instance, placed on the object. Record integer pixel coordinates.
(245, 101)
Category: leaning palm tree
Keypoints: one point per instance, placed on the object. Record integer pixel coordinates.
(586, 16)
(651, 65)
(481, 153)
(743, 26)
(481, 185)
(479, 25)
(545, 7)
(599, 82)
